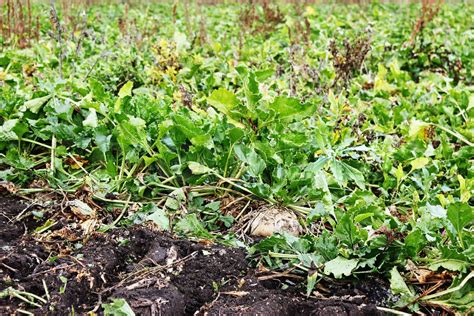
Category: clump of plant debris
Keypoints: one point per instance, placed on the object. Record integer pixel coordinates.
(166, 62)
(348, 59)
(260, 21)
(18, 26)
(422, 53)
(302, 73)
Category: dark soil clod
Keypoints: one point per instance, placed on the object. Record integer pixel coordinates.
(155, 273)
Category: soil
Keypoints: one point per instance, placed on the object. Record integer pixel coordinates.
(156, 273)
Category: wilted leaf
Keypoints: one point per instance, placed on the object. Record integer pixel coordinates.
(311, 282)
(175, 199)
(35, 105)
(197, 168)
(81, 209)
(160, 218)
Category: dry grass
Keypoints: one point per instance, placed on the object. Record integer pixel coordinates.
(17, 24)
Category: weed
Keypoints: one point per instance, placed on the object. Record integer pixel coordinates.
(260, 21)
(423, 53)
(57, 35)
(17, 25)
(348, 59)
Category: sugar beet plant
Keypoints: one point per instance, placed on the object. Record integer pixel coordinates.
(185, 112)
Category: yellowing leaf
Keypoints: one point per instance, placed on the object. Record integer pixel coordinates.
(419, 163)
(226, 102)
(465, 190)
(309, 11)
(399, 174)
(197, 168)
(126, 90)
(380, 84)
(417, 129)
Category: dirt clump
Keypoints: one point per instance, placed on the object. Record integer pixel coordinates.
(253, 297)
(154, 272)
(10, 208)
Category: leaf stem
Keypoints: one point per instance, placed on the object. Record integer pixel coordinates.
(453, 133)
(35, 142)
(53, 154)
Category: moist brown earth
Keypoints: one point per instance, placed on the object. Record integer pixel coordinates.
(154, 272)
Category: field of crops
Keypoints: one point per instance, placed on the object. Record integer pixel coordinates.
(270, 159)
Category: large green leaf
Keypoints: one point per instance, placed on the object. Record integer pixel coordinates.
(131, 132)
(290, 108)
(397, 284)
(7, 130)
(159, 217)
(35, 105)
(346, 231)
(195, 134)
(340, 266)
(227, 103)
(460, 215)
(256, 165)
(223, 100)
(343, 172)
(190, 225)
